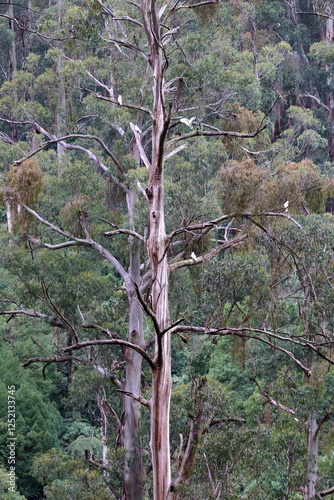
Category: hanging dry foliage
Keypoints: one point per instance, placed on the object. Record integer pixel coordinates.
(23, 184)
(243, 186)
(25, 180)
(73, 215)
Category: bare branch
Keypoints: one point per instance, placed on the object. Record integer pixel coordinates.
(127, 45)
(117, 103)
(137, 133)
(214, 222)
(148, 311)
(220, 420)
(124, 231)
(55, 359)
(54, 140)
(316, 14)
(58, 246)
(216, 133)
(120, 342)
(106, 331)
(58, 312)
(88, 242)
(109, 89)
(324, 493)
(114, 414)
(207, 256)
(52, 320)
(264, 151)
(23, 27)
(175, 151)
(251, 333)
(216, 488)
(194, 5)
(316, 99)
(136, 397)
(273, 402)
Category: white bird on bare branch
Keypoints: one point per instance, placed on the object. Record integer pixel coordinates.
(189, 122)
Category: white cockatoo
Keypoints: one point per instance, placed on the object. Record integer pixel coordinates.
(189, 122)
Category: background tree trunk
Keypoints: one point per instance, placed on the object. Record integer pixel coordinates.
(134, 471)
(312, 462)
(12, 48)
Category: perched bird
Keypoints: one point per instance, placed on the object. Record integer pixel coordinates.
(193, 256)
(189, 122)
(286, 206)
(120, 100)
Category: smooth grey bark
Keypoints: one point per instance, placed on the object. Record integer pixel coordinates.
(312, 459)
(131, 440)
(60, 113)
(10, 214)
(12, 47)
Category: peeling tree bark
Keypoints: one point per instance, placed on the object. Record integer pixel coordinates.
(156, 246)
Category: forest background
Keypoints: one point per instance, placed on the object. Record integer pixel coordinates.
(167, 240)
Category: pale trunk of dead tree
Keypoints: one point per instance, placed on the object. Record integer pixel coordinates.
(330, 103)
(131, 441)
(278, 109)
(10, 215)
(60, 113)
(104, 436)
(12, 47)
(313, 428)
(294, 8)
(104, 430)
(156, 245)
(27, 36)
(312, 459)
(254, 42)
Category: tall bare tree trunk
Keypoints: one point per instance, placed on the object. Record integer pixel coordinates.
(10, 212)
(131, 440)
(60, 113)
(312, 459)
(313, 427)
(12, 48)
(161, 390)
(278, 109)
(156, 245)
(60, 110)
